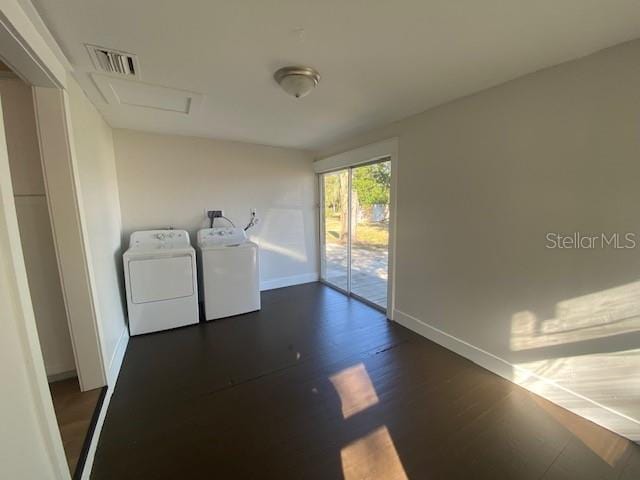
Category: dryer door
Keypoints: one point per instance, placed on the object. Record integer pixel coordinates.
(156, 279)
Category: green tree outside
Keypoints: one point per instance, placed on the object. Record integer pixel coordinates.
(372, 183)
(371, 186)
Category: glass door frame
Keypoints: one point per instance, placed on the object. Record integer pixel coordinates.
(322, 245)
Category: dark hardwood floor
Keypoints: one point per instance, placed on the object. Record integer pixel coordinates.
(319, 386)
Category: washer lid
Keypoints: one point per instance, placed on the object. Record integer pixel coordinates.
(221, 237)
(237, 246)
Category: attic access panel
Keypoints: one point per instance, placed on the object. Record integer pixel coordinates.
(118, 91)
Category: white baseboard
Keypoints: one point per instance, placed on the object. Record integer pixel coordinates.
(114, 370)
(91, 454)
(552, 391)
(64, 375)
(288, 281)
(117, 357)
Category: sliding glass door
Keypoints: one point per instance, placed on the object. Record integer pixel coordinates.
(335, 261)
(355, 230)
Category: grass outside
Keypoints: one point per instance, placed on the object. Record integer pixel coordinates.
(369, 234)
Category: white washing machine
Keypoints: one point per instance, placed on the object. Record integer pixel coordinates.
(161, 281)
(229, 272)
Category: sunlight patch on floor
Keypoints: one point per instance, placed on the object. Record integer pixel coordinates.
(611, 381)
(607, 445)
(355, 389)
(372, 456)
(585, 359)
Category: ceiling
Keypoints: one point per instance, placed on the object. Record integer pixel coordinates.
(380, 61)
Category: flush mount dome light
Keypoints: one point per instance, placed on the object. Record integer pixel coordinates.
(297, 81)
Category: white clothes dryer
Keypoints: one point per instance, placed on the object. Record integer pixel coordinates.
(161, 281)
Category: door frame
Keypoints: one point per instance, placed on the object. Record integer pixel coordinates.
(30, 51)
(18, 310)
(352, 158)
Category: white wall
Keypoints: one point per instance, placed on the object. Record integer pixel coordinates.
(94, 153)
(35, 227)
(168, 180)
(480, 182)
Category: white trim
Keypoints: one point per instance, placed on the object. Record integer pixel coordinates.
(114, 371)
(26, 51)
(42, 29)
(118, 356)
(365, 154)
(392, 146)
(288, 281)
(350, 221)
(64, 375)
(322, 244)
(29, 55)
(95, 438)
(62, 184)
(607, 417)
(18, 309)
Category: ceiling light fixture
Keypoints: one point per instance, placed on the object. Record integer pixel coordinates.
(296, 80)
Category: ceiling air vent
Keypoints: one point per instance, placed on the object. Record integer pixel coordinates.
(114, 61)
